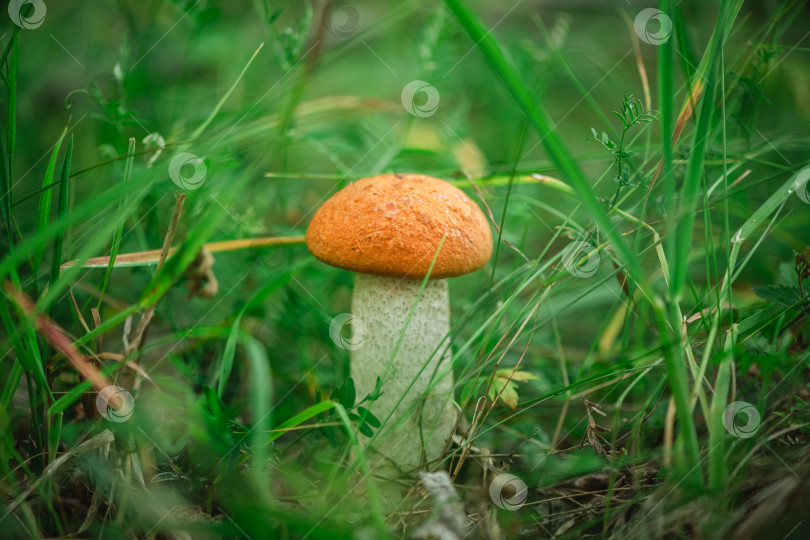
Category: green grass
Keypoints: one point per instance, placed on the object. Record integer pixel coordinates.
(245, 421)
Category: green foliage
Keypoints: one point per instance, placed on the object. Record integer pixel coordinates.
(632, 114)
(246, 422)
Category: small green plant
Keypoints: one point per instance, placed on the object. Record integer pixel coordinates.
(632, 114)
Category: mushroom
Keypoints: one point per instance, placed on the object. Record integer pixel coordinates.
(388, 229)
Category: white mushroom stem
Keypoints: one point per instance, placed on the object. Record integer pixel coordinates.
(419, 371)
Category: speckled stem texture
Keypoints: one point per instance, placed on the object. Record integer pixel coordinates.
(426, 416)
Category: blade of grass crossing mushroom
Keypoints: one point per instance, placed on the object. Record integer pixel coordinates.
(43, 217)
(384, 422)
(119, 228)
(542, 123)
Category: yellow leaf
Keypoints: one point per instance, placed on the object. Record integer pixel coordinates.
(519, 376)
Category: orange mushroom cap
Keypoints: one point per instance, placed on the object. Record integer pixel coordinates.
(391, 225)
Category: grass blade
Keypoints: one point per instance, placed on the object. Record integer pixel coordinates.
(226, 364)
(261, 387)
(299, 418)
(13, 60)
(44, 215)
(119, 229)
(717, 459)
(64, 199)
(541, 122)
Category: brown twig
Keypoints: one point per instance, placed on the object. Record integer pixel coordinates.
(146, 257)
